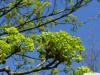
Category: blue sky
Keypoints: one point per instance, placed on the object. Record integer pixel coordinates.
(89, 31)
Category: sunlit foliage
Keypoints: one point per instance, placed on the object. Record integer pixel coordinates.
(60, 46)
(25, 35)
(14, 42)
(81, 70)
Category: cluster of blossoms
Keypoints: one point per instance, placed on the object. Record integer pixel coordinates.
(60, 46)
(14, 42)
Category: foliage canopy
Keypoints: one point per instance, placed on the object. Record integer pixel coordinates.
(24, 32)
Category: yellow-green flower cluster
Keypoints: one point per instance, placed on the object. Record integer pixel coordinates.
(14, 42)
(81, 70)
(60, 46)
(11, 30)
(4, 49)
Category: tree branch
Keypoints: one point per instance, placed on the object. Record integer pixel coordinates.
(47, 67)
(77, 6)
(7, 11)
(6, 69)
(28, 56)
(11, 54)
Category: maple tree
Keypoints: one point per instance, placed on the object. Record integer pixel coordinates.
(24, 32)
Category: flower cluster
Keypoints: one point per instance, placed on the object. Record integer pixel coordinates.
(14, 42)
(60, 46)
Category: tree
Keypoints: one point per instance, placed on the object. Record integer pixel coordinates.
(24, 32)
